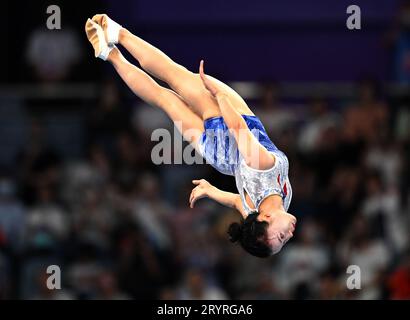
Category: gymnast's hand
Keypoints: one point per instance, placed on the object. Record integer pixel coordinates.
(201, 190)
(207, 81)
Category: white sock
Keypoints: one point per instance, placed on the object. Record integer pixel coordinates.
(113, 31)
(105, 52)
(104, 48)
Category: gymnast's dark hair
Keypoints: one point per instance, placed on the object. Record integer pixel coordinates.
(251, 235)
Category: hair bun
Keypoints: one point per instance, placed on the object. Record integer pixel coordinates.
(234, 232)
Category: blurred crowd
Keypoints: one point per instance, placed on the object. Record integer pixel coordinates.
(120, 227)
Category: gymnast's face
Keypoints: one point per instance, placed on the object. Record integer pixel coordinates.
(280, 229)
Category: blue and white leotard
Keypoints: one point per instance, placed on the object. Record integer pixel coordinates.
(219, 148)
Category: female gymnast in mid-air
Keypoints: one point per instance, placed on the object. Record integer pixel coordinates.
(220, 126)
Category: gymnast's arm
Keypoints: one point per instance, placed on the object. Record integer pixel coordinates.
(204, 189)
(255, 155)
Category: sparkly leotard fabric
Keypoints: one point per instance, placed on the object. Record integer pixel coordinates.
(219, 149)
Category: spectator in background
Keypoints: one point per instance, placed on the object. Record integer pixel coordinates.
(330, 287)
(301, 265)
(367, 119)
(47, 222)
(304, 188)
(193, 229)
(53, 53)
(385, 156)
(37, 162)
(341, 197)
(94, 220)
(318, 123)
(168, 293)
(129, 159)
(12, 217)
(107, 288)
(399, 41)
(151, 212)
(109, 118)
(275, 115)
(381, 207)
(6, 279)
(196, 287)
(44, 293)
(369, 253)
(83, 272)
(146, 119)
(91, 173)
(402, 121)
(264, 288)
(399, 281)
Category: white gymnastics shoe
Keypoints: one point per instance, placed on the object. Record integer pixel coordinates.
(95, 35)
(110, 27)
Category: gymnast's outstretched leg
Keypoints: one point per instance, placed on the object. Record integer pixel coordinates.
(186, 83)
(189, 124)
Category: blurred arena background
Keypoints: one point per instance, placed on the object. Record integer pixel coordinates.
(78, 188)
